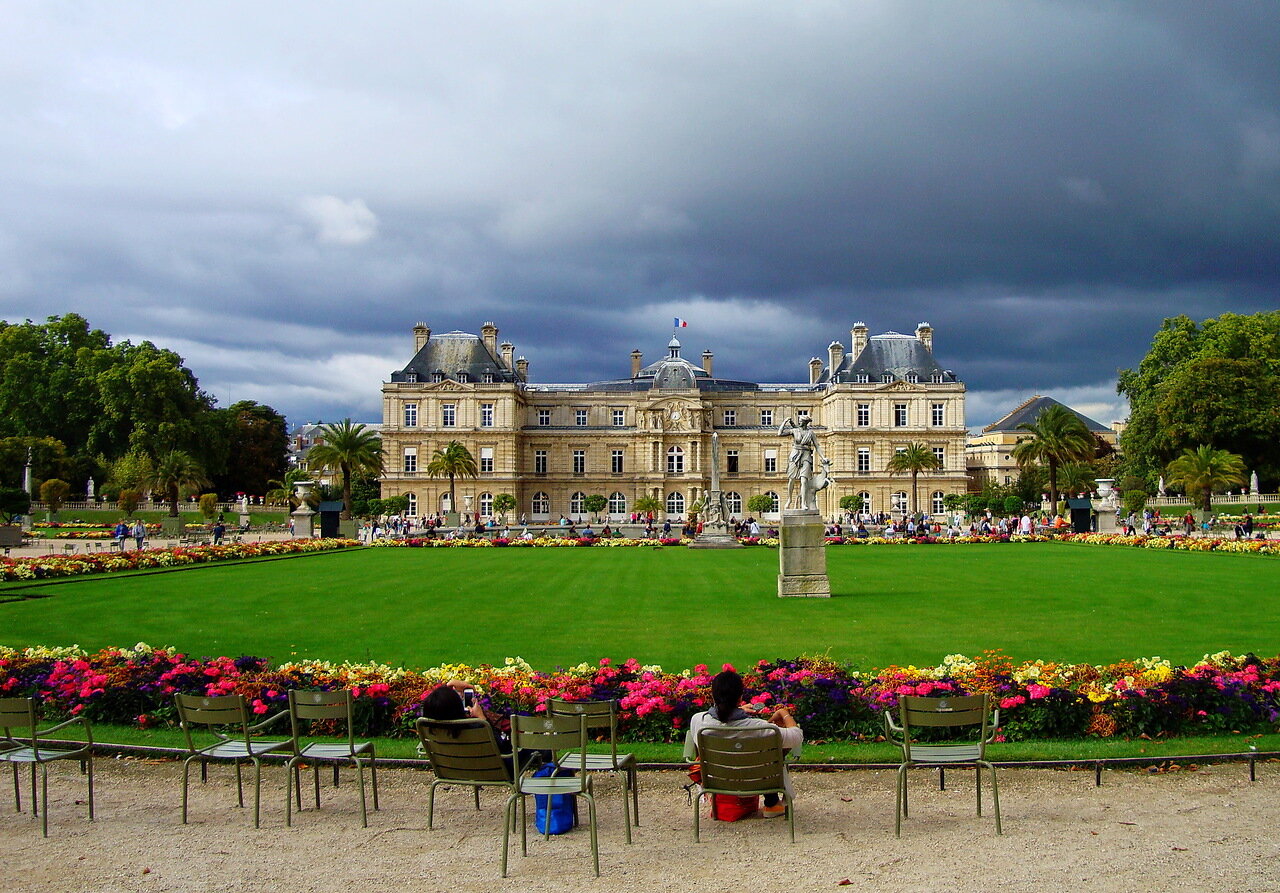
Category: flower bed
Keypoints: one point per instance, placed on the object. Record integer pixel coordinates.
(1179, 543)
(1038, 699)
(49, 566)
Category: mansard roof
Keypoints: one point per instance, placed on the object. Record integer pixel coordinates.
(1029, 410)
(674, 372)
(450, 354)
(893, 353)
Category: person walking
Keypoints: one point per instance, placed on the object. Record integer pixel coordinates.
(139, 534)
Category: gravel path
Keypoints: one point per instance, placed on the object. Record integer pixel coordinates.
(1208, 829)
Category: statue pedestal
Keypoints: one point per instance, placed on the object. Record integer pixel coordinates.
(802, 556)
(715, 536)
(302, 516)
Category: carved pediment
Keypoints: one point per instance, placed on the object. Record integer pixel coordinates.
(449, 385)
(676, 415)
(902, 387)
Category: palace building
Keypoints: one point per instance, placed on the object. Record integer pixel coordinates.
(649, 434)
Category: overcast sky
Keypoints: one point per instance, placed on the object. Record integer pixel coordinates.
(279, 191)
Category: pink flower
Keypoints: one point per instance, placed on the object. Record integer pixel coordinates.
(1038, 691)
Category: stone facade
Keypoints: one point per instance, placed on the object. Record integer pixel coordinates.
(551, 445)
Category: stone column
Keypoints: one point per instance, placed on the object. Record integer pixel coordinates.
(802, 557)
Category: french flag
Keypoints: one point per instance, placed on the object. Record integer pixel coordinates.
(680, 323)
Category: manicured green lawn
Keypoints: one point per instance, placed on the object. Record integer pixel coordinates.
(676, 607)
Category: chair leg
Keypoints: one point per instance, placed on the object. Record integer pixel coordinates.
(315, 779)
(524, 826)
(364, 813)
(335, 775)
(44, 795)
(35, 803)
(995, 797)
(591, 816)
(977, 786)
(290, 771)
(186, 772)
(257, 791)
(431, 804)
(901, 801)
(508, 818)
(697, 806)
(17, 789)
(239, 787)
(475, 792)
(89, 773)
(791, 818)
(626, 807)
(373, 775)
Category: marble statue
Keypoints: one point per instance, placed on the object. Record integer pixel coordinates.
(803, 485)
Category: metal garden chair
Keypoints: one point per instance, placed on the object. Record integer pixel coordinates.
(331, 706)
(463, 752)
(972, 712)
(601, 716)
(742, 763)
(19, 714)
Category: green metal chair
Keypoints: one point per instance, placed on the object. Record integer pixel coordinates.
(742, 762)
(463, 752)
(327, 706)
(232, 713)
(556, 734)
(602, 715)
(972, 712)
(19, 714)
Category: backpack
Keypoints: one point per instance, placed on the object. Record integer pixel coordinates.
(728, 808)
(564, 807)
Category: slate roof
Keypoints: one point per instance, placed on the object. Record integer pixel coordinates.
(893, 353)
(1027, 412)
(451, 353)
(674, 372)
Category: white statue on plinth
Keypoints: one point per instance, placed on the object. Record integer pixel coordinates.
(803, 485)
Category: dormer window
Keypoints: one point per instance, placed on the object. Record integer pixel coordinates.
(463, 377)
(411, 377)
(936, 378)
(487, 378)
(886, 377)
(437, 377)
(912, 378)
(862, 378)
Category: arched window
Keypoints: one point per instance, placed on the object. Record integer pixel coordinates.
(733, 503)
(413, 503)
(575, 503)
(617, 504)
(866, 500)
(541, 505)
(675, 460)
(486, 504)
(773, 499)
(938, 507)
(675, 503)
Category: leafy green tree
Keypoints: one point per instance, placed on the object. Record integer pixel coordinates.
(395, 505)
(452, 461)
(365, 489)
(1057, 437)
(595, 504)
(1212, 382)
(14, 501)
(53, 493)
(851, 503)
(912, 460)
(349, 449)
(208, 505)
(1203, 471)
(503, 503)
(257, 448)
(953, 502)
(758, 504)
(1013, 505)
(132, 471)
(129, 500)
(174, 472)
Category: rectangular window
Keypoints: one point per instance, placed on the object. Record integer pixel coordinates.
(449, 415)
(619, 418)
(411, 415)
(411, 460)
(940, 453)
(770, 461)
(900, 415)
(731, 461)
(579, 461)
(864, 459)
(730, 418)
(544, 417)
(802, 414)
(486, 459)
(580, 418)
(539, 461)
(486, 415)
(615, 461)
(939, 413)
(864, 415)
(487, 378)
(766, 418)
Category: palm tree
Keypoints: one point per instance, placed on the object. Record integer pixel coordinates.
(647, 505)
(1058, 436)
(451, 461)
(283, 490)
(1203, 470)
(913, 459)
(174, 472)
(350, 449)
(1077, 477)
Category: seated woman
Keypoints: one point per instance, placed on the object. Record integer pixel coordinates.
(730, 712)
(446, 702)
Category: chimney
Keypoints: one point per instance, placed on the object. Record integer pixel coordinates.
(421, 335)
(522, 369)
(858, 339)
(636, 359)
(924, 334)
(508, 353)
(489, 334)
(815, 370)
(706, 361)
(835, 356)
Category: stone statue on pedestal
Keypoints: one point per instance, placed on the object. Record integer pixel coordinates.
(803, 485)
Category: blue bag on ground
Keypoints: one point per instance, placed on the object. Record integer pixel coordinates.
(564, 807)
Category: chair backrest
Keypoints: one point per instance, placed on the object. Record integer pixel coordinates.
(599, 715)
(18, 713)
(945, 713)
(323, 706)
(212, 710)
(463, 750)
(741, 760)
(554, 733)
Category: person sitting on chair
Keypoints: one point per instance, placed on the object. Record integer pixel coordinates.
(730, 712)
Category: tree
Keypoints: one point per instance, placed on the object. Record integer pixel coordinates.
(452, 461)
(1057, 436)
(208, 505)
(647, 505)
(1213, 382)
(913, 459)
(365, 490)
(174, 472)
(257, 448)
(128, 501)
(349, 449)
(503, 503)
(1203, 471)
(14, 501)
(595, 504)
(760, 503)
(132, 471)
(852, 502)
(1076, 477)
(47, 454)
(53, 493)
(282, 492)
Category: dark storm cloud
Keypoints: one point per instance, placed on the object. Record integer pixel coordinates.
(280, 192)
